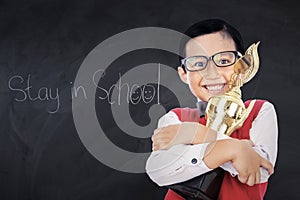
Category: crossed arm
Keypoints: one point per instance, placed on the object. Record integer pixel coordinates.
(251, 160)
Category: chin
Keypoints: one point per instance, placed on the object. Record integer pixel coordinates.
(206, 98)
(214, 94)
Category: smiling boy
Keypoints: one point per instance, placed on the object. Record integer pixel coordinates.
(182, 151)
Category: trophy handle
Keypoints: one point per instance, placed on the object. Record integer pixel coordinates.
(245, 68)
(253, 58)
(243, 117)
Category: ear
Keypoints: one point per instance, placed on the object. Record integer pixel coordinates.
(182, 74)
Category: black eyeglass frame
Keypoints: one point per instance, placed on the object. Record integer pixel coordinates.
(236, 53)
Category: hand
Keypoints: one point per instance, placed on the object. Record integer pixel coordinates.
(166, 137)
(247, 162)
(184, 133)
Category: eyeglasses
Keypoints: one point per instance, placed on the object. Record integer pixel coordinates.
(221, 59)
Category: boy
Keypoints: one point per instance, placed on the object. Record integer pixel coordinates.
(182, 151)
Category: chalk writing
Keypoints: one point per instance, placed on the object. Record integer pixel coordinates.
(43, 93)
(134, 93)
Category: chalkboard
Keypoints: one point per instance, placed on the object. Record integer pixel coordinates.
(43, 45)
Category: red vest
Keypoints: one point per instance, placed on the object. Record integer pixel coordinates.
(231, 188)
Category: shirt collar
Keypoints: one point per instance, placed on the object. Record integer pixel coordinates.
(201, 106)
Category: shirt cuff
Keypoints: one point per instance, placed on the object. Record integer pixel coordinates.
(179, 163)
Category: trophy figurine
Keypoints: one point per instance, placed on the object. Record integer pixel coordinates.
(226, 113)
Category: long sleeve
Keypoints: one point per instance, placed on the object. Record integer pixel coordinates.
(175, 164)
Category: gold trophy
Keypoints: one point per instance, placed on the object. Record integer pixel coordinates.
(226, 113)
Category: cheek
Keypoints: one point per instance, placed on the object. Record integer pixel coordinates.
(194, 79)
(194, 82)
(227, 72)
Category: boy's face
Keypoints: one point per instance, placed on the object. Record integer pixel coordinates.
(212, 80)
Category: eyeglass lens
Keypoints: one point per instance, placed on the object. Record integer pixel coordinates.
(221, 59)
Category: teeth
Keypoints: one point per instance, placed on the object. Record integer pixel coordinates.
(214, 87)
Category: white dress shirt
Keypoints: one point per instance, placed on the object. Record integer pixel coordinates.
(183, 162)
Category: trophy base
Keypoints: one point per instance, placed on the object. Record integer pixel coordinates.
(204, 187)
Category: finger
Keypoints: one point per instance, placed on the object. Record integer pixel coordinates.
(258, 175)
(161, 140)
(251, 180)
(242, 179)
(257, 180)
(157, 147)
(162, 147)
(154, 137)
(157, 136)
(154, 147)
(160, 132)
(161, 144)
(267, 165)
(157, 131)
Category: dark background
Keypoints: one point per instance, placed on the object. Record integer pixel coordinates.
(41, 155)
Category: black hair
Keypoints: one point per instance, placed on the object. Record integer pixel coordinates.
(211, 26)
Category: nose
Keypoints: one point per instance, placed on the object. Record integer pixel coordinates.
(211, 71)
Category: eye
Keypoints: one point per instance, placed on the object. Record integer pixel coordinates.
(199, 64)
(224, 61)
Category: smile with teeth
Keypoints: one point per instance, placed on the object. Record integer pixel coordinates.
(213, 89)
